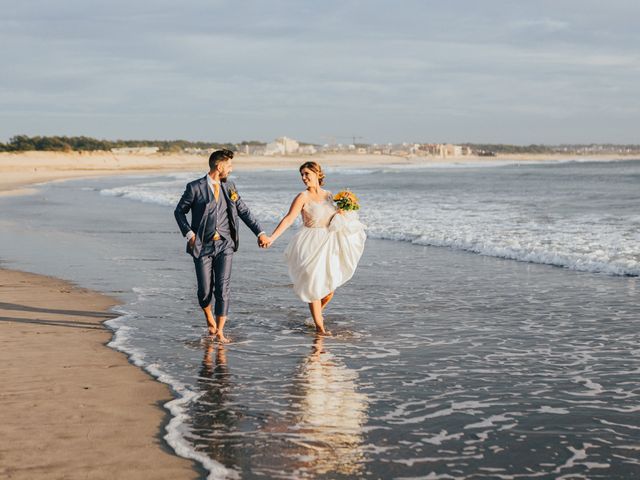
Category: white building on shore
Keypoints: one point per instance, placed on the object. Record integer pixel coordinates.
(282, 146)
(307, 150)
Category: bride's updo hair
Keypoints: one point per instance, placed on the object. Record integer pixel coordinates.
(315, 168)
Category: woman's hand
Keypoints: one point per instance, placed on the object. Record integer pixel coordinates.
(268, 242)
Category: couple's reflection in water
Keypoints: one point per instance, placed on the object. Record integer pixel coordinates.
(329, 415)
(318, 433)
(213, 416)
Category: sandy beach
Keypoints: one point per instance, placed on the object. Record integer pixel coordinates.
(18, 171)
(72, 407)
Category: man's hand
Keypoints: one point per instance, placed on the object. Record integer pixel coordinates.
(192, 242)
(264, 241)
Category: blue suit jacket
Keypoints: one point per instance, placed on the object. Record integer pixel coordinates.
(197, 198)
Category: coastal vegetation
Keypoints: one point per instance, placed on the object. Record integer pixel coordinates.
(24, 143)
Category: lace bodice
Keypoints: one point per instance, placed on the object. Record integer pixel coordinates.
(318, 214)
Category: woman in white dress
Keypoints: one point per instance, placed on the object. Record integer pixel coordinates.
(325, 252)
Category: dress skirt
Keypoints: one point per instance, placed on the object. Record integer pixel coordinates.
(320, 259)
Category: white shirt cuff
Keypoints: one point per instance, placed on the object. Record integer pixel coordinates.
(190, 235)
(261, 233)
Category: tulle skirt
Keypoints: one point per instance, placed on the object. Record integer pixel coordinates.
(322, 259)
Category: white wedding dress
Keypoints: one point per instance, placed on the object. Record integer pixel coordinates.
(325, 252)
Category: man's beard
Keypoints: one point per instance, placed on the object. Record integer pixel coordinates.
(223, 179)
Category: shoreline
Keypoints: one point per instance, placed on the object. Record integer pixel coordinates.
(120, 410)
(20, 172)
(153, 435)
(72, 406)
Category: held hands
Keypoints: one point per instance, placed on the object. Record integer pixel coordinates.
(264, 241)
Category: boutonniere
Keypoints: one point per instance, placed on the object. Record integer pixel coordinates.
(233, 195)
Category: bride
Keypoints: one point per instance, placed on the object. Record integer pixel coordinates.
(325, 252)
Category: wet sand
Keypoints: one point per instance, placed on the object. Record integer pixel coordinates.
(72, 407)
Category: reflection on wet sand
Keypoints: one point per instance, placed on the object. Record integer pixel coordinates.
(329, 417)
(213, 414)
(317, 431)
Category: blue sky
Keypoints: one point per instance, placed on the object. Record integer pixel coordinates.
(528, 71)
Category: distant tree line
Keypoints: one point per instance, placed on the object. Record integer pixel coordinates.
(23, 143)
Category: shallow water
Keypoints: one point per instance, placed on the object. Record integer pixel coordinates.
(582, 216)
(443, 363)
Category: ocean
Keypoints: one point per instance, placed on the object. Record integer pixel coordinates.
(491, 330)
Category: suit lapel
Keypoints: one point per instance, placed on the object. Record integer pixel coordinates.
(206, 191)
(224, 187)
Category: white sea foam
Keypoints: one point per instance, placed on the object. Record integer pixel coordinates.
(441, 437)
(121, 341)
(553, 410)
(586, 241)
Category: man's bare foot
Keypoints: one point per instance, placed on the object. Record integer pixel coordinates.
(221, 338)
(211, 321)
(324, 302)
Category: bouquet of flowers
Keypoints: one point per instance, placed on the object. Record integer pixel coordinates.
(346, 200)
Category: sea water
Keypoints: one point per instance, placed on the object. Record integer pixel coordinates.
(491, 330)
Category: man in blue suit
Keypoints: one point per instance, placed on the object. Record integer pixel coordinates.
(212, 235)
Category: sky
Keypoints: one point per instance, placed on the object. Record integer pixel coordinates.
(482, 71)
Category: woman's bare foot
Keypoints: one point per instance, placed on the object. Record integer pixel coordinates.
(325, 301)
(221, 338)
(316, 314)
(322, 331)
(212, 330)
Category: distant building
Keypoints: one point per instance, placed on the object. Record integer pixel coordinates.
(255, 150)
(452, 150)
(441, 150)
(138, 150)
(307, 150)
(282, 146)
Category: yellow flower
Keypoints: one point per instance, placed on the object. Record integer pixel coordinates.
(346, 200)
(233, 196)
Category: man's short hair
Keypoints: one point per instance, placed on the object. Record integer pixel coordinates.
(219, 156)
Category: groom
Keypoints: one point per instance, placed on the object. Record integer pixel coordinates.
(212, 235)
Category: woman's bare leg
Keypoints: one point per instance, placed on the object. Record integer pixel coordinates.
(325, 301)
(315, 308)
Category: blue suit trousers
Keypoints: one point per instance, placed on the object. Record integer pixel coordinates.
(213, 271)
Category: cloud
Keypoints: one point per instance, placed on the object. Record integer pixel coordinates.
(389, 71)
(545, 25)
